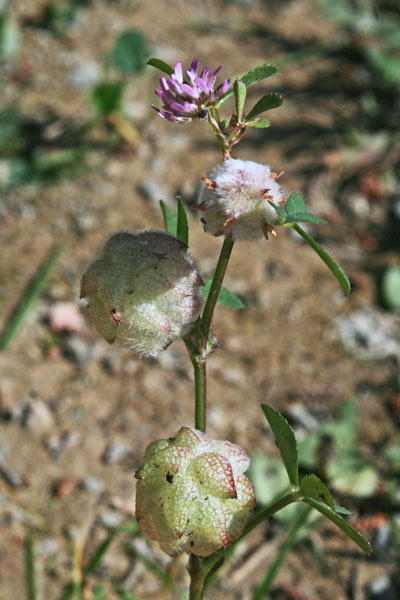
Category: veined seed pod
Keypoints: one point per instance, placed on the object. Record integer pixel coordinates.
(192, 494)
(144, 290)
(237, 200)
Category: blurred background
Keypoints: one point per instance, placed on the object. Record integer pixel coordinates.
(82, 155)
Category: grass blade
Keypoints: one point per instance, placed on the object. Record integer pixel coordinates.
(99, 553)
(265, 586)
(32, 294)
(273, 570)
(30, 565)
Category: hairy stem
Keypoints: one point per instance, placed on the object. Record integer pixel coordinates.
(197, 347)
(215, 289)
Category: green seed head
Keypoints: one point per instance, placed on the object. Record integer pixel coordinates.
(144, 290)
(192, 494)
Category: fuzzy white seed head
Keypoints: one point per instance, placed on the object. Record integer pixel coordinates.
(192, 494)
(144, 290)
(236, 200)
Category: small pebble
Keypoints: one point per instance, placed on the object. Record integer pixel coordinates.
(114, 452)
(111, 518)
(382, 588)
(93, 484)
(37, 417)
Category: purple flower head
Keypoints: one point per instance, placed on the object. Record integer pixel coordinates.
(186, 99)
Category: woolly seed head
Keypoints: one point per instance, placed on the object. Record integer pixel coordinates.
(144, 290)
(192, 494)
(237, 200)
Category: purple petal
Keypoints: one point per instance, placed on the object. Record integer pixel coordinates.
(178, 72)
(186, 107)
(190, 91)
(167, 97)
(216, 71)
(203, 85)
(164, 84)
(194, 67)
(175, 86)
(205, 72)
(223, 89)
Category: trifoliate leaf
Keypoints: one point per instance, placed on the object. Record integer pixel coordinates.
(130, 52)
(267, 102)
(391, 287)
(170, 219)
(106, 97)
(260, 123)
(286, 442)
(341, 523)
(334, 267)
(161, 65)
(239, 89)
(295, 204)
(225, 298)
(303, 217)
(182, 228)
(313, 487)
(257, 74)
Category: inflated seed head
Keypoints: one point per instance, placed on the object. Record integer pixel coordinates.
(192, 494)
(237, 200)
(144, 290)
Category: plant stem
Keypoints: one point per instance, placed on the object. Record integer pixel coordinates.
(199, 363)
(198, 352)
(200, 571)
(215, 289)
(197, 577)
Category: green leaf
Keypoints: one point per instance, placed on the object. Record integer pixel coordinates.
(100, 552)
(267, 102)
(313, 487)
(106, 97)
(161, 65)
(260, 123)
(341, 510)
(295, 204)
(303, 217)
(257, 74)
(170, 219)
(130, 52)
(286, 442)
(182, 228)
(98, 592)
(225, 298)
(334, 267)
(391, 287)
(31, 296)
(341, 523)
(239, 89)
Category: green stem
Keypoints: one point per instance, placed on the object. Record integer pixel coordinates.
(199, 363)
(199, 574)
(215, 289)
(197, 577)
(198, 351)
